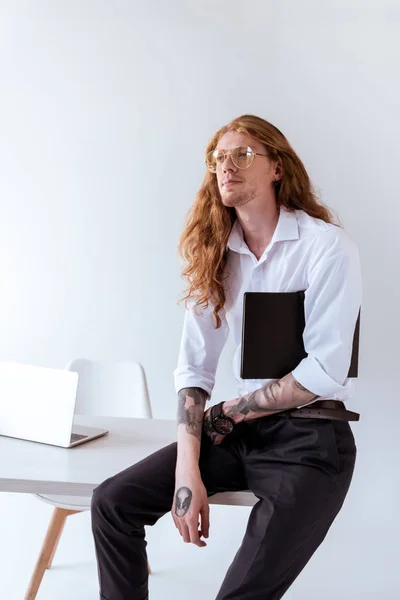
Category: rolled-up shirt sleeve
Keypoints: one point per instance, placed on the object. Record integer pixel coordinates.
(200, 349)
(332, 303)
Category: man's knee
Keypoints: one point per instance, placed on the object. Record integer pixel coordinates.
(105, 498)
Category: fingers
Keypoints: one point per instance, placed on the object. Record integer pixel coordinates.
(195, 534)
(182, 526)
(189, 530)
(205, 520)
(184, 530)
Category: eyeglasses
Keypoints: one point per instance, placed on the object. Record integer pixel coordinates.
(241, 156)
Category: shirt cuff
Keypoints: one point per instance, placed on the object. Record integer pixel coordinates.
(186, 380)
(312, 376)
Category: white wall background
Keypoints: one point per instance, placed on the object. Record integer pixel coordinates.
(105, 111)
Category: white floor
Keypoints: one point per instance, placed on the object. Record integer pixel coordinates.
(354, 566)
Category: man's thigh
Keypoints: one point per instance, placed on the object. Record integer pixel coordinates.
(145, 490)
(301, 471)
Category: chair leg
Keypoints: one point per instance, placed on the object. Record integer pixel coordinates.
(48, 549)
(67, 513)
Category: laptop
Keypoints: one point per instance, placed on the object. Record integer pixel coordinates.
(272, 335)
(38, 404)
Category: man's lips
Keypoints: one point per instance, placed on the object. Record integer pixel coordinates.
(229, 182)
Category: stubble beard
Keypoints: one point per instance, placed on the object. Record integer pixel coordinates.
(238, 199)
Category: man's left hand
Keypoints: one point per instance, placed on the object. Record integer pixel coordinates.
(209, 430)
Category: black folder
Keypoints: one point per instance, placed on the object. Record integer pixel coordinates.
(272, 335)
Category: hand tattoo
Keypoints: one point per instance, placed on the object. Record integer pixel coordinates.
(183, 498)
(191, 402)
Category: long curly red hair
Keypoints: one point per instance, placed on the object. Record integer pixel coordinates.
(203, 242)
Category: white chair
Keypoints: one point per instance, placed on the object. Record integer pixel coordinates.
(113, 389)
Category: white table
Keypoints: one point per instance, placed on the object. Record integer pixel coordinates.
(29, 467)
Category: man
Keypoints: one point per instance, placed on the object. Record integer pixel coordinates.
(255, 226)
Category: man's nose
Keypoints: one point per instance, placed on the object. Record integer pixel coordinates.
(228, 165)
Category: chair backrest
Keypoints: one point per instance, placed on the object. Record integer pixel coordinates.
(111, 388)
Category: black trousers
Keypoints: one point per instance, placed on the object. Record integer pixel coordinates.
(300, 469)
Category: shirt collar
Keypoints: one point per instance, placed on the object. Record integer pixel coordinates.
(286, 229)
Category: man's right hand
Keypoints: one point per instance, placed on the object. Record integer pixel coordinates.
(190, 509)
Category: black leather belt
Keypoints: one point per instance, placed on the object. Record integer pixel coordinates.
(325, 409)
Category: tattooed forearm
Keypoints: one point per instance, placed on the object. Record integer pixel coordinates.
(183, 498)
(191, 402)
(265, 398)
(276, 396)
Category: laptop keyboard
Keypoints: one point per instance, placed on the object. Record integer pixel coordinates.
(76, 436)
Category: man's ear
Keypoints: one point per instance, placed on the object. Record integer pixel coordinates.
(278, 170)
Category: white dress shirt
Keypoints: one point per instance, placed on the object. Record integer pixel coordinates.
(305, 253)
